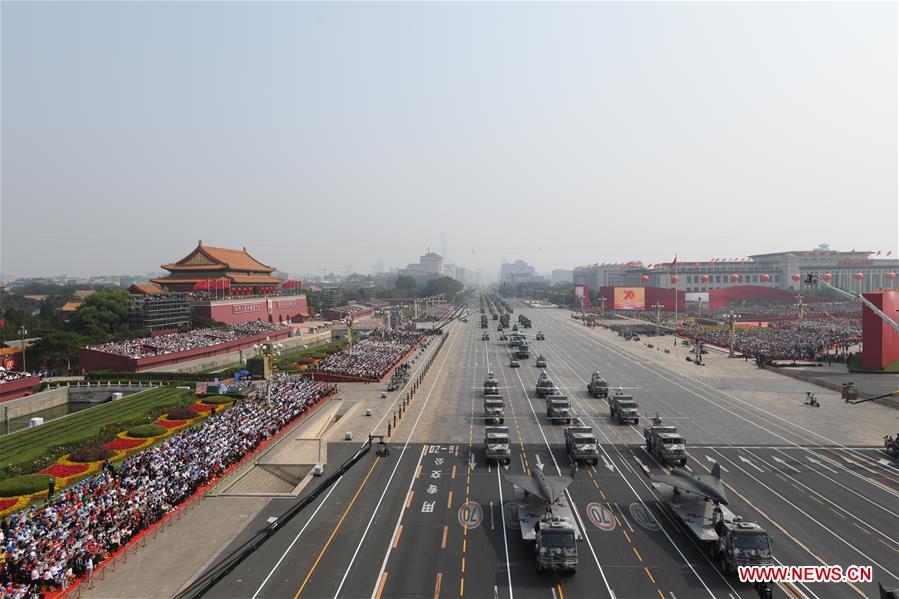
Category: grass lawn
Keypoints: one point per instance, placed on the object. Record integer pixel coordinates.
(28, 445)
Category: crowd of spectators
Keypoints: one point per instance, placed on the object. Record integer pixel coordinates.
(8, 376)
(780, 309)
(813, 340)
(44, 548)
(373, 357)
(178, 342)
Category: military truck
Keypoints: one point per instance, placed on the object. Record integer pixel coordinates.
(483, 321)
(485, 337)
(558, 408)
(496, 445)
(623, 408)
(665, 443)
(494, 409)
(540, 336)
(598, 386)
(491, 385)
(545, 385)
(546, 519)
(699, 501)
(523, 351)
(580, 442)
(513, 363)
(541, 361)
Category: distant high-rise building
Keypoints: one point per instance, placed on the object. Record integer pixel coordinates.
(519, 267)
(561, 275)
(379, 266)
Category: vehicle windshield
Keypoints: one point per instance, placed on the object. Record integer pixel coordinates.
(627, 404)
(673, 441)
(561, 540)
(751, 540)
(587, 441)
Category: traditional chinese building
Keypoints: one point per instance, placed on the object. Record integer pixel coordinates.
(213, 268)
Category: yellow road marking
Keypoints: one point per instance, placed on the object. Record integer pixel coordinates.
(409, 499)
(437, 586)
(461, 586)
(888, 545)
(443, 542)
(396, 539)
(837, 513)
(559, 589)
(627, 536)
(453, 475)
(381, 585)
(449, 500)
(661, 594)
(648, 573)
(336, 528)
(464, 545)
(418, 472)
(602, 494)
(463, 565)
(855, 524)
(639, 557)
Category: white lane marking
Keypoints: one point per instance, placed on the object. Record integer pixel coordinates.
(628, 357)
(784, 462)
(499, 483)
(750, 462)
(820, 463)
(296, 538)
(608, 464)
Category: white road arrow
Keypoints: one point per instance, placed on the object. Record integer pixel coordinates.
(776, 459)
(538, 462)
(471, 461)
(820, 463)
(607, 463)
(748, 461)
(709, 459)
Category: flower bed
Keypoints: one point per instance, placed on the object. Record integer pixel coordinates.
(65, 470)
(170, 423)
(124, 444)
(145, 431)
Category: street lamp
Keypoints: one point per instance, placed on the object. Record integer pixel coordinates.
(268, 351)
(22, 332)
(732, 322)
(658, 308)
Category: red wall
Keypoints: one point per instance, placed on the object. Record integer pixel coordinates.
(881, 343)
(96, 360)
(279, 308)
(720, 298)
(19, 388)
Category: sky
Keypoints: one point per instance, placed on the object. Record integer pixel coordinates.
(322, 136)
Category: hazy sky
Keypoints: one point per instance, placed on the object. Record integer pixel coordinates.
(325, 135)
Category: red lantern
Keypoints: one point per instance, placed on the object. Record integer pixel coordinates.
(765, 278)
(675, 278)
(827, 276)
(645, 278)
(734, 278)
(796, 277)
(704, 278)
(891, 276)
(858, 276)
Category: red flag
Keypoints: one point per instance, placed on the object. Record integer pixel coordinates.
(1, 323)
(889, 252)
(878, 252)
(674, 263)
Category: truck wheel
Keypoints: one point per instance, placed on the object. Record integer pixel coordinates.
(722, 564)
(683, 462)
(636, 421)
(595, 461)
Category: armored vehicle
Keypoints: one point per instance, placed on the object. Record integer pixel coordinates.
(541, 361)
(580, 442)
(513, 363)
(494, 409)
(623, 408)
(491, 385)
(545, 385)
(664, 443)
(523, 351)
(496, 445)
(540, 336)
(598, 386)
(483, 321)
(485, 337)
(558, 409)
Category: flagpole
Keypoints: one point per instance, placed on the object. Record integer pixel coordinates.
(675, 291)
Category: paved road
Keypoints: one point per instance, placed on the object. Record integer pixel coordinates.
(432, 519)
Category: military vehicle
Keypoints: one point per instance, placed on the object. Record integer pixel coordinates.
(541, 361)
(504, 320)
(891, 445)
(623, 408)
(598, 386)
(513, 363)
(496, 445)
(545, 385)
(485, 337)
(393, 385)
(545, 518)
(540, 336)
(558, 408)
(514, 327)
(664, 443)
(491, 385)
(499, 328)
(698, 501)
(523, 350)
(494, 409)
(503, 337)
(483, 321)
(580, 442)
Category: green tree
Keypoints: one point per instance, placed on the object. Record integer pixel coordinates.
(444, 285)
(406, 283)
(56, 348)
(103, 314)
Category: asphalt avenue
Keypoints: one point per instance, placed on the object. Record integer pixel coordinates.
(433, 520)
